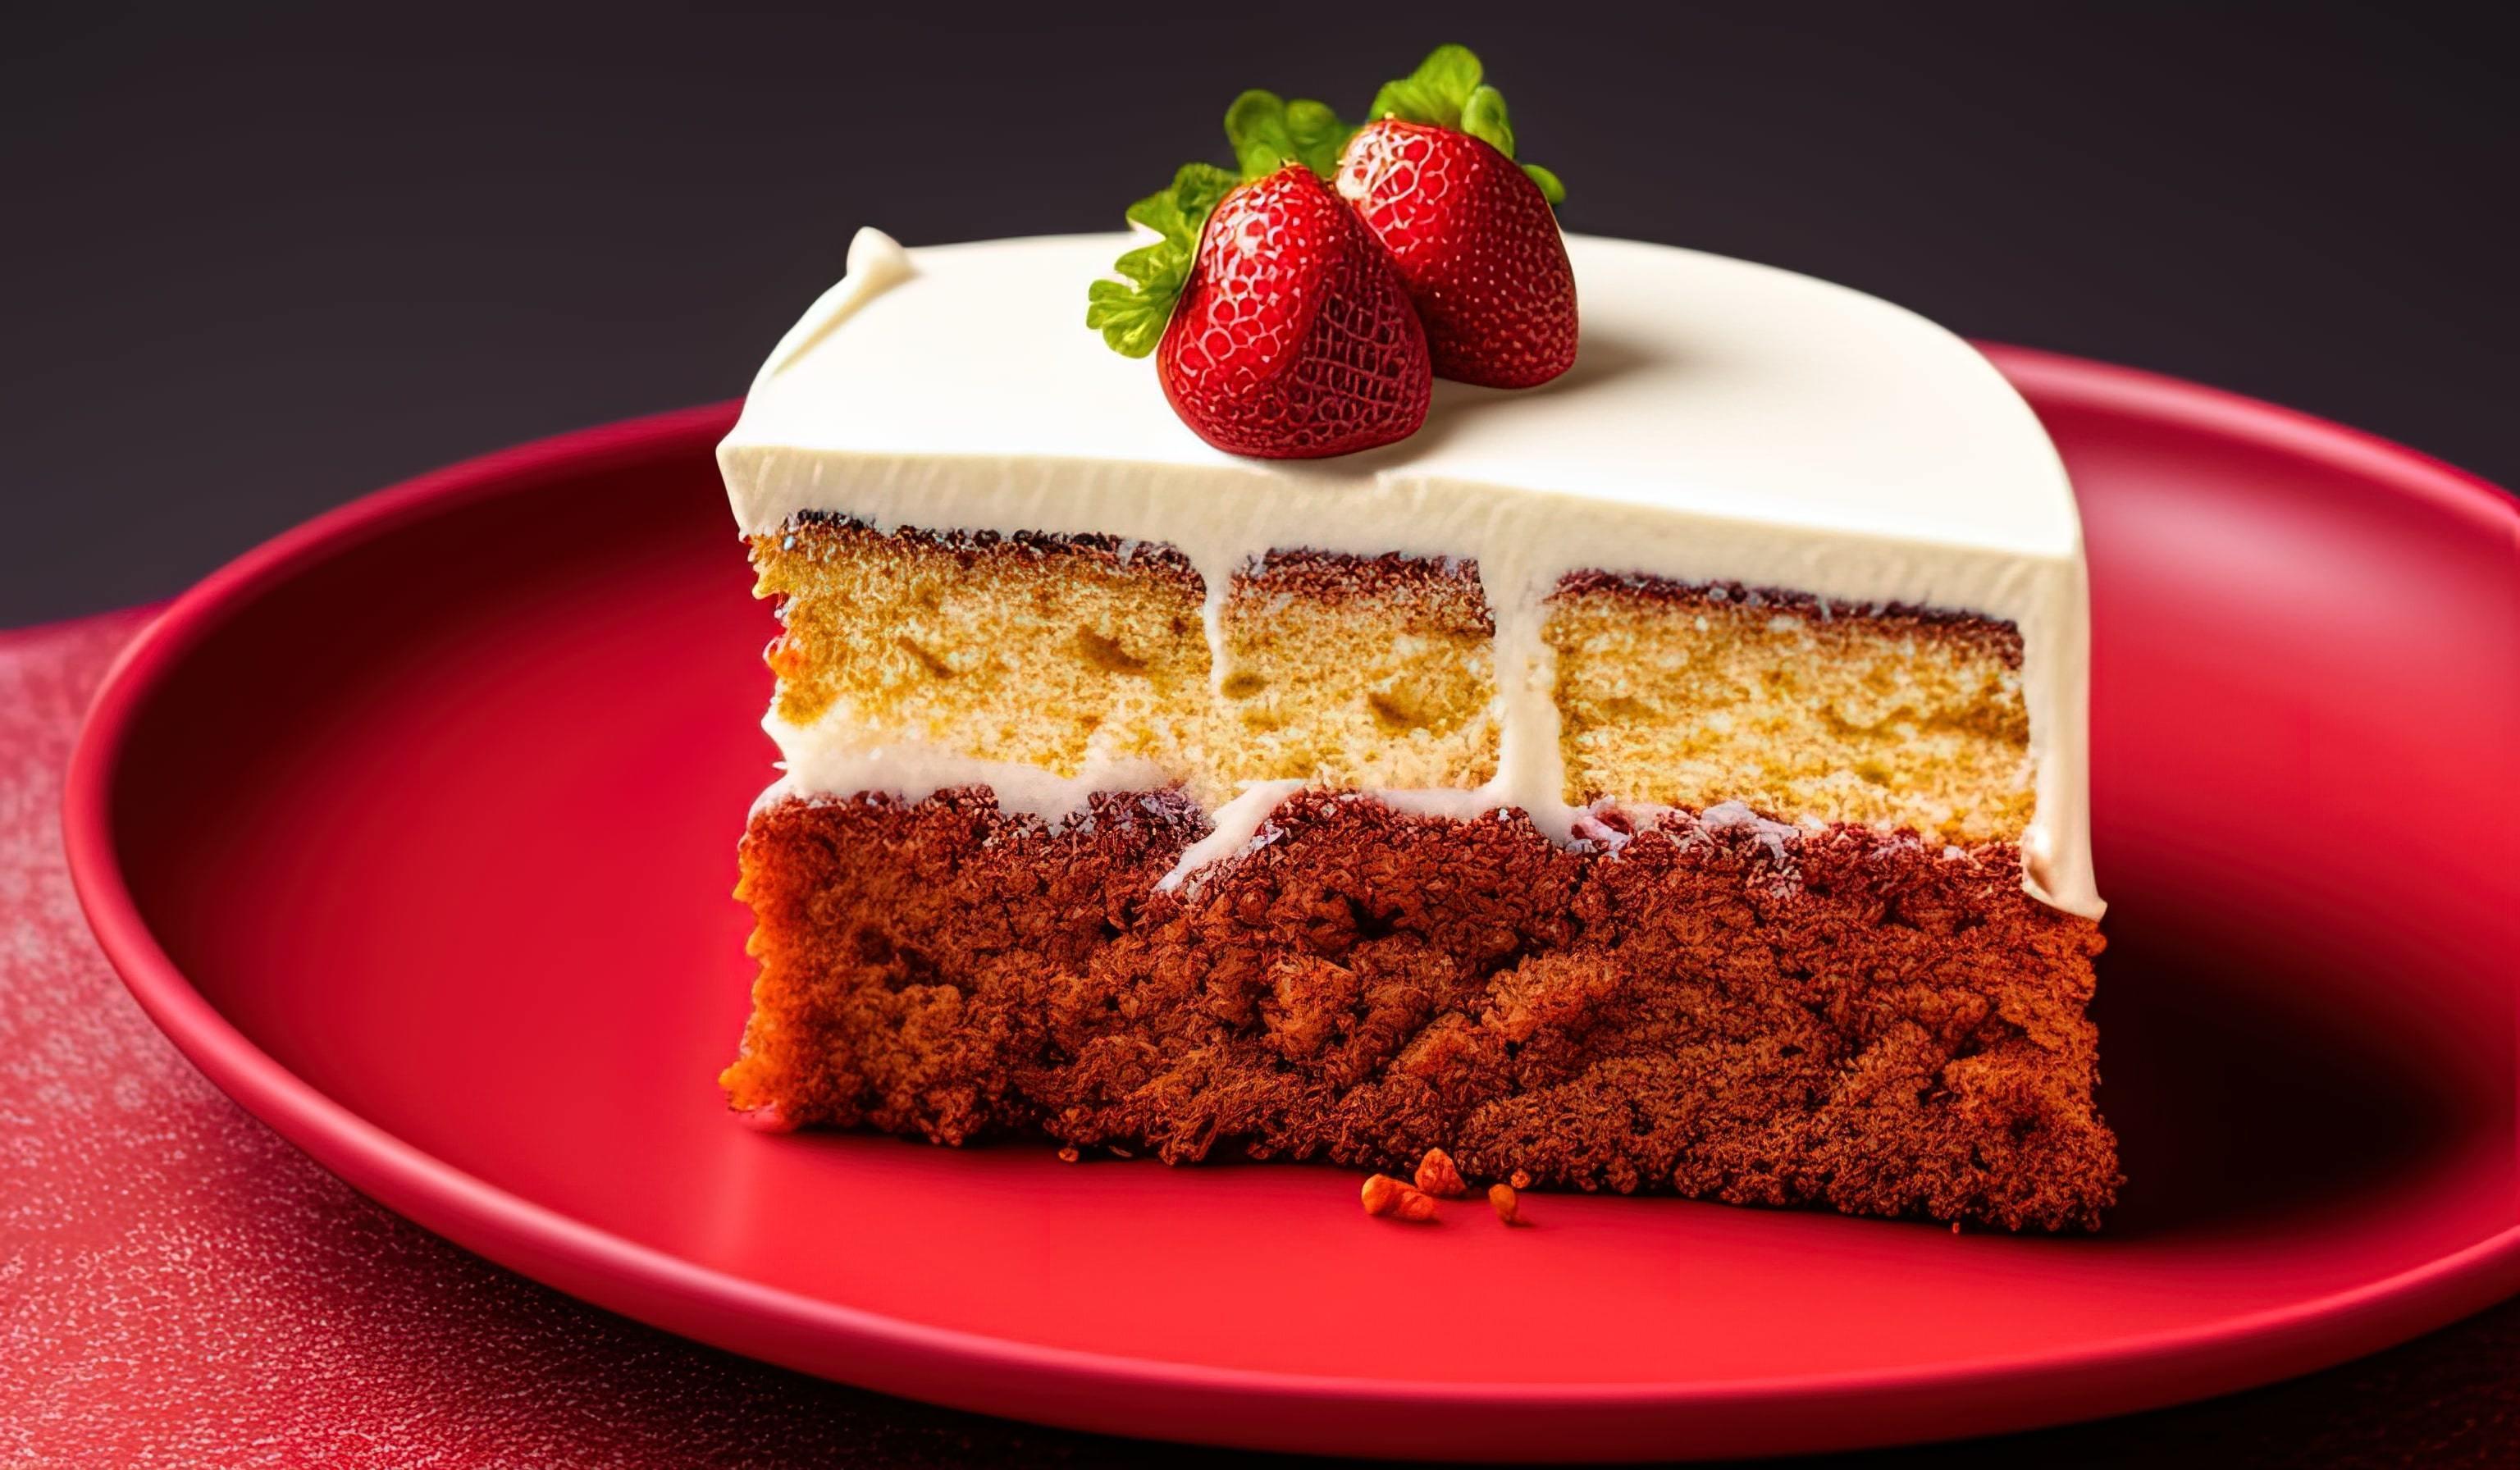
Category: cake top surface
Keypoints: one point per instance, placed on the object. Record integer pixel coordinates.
(1706, 388)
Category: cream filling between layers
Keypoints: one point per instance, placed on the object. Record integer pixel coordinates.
(1941, 432)
(914, 771)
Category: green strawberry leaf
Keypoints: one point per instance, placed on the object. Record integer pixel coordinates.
(1132, 316)
(1319, 135)
(1483, 118)
(1449, 90)
(1434, 93)
(1180, 212)
(1256, 125)
(1269, 132)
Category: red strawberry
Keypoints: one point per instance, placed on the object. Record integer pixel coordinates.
(1478, 245)
(1473, 231)
(1293, 337)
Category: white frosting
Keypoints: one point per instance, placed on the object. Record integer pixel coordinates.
(823, 761)
(1236, 825)
(1724, 421)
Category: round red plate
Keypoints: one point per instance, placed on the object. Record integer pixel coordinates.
(413, 828)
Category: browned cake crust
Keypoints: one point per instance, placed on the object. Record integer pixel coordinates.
(1726, 1009)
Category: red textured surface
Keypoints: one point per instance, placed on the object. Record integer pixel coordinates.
(179, 1286)
(1294, 339)
(1478, 246)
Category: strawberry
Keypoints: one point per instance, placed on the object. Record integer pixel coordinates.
(1474, 233)
(1295, 338)
(1285, 333)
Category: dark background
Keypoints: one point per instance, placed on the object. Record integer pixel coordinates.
(257, 262)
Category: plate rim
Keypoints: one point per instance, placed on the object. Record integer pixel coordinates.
(1153, 1397)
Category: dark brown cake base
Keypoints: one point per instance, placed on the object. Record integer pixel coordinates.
(1726, 1009)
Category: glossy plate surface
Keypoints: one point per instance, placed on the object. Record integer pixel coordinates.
(414, 830)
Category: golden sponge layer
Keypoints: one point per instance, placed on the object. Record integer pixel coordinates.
(1347, 671)
(1056, 652)
(1378, 671)
(1036, 650)
(1693, 695)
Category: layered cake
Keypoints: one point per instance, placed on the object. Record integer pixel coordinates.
(1670, 778)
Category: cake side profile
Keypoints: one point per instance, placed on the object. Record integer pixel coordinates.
(1669, 778)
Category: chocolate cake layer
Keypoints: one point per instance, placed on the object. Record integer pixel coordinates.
(1718, 1006)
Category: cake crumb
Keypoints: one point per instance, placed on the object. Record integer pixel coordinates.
(1519, 1179)
(1067, 1153)
(1437, 1176)
(1384, 1195)
(1508, 1205)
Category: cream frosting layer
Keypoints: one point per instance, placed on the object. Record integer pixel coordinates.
(1724, 421)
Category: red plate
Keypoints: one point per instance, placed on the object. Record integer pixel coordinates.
(413, 828)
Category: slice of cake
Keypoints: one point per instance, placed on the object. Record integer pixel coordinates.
(1667, 779)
